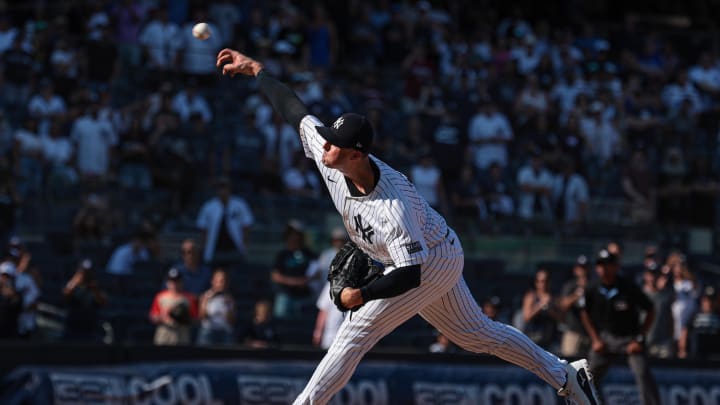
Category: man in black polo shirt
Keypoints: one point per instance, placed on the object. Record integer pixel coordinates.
(612, 318)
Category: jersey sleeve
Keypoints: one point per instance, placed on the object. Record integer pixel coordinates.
(404, 239)
(312, 142)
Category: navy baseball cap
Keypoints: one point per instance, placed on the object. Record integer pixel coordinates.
(349, 131)
(174, 274)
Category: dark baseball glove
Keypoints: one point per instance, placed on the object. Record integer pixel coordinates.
(351, 267)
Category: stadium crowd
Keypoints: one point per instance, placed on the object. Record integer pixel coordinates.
(494, 115)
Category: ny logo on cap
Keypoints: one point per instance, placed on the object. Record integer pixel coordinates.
(338, 123)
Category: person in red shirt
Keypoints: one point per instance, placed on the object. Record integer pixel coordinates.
(173, 311)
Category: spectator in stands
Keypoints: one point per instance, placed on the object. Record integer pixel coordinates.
(290, 273)
(497, 192)
(93, 222)
(134, 158)
(173, 311)
(489, 132)
(570, 195)
(46, 106)
(638, 185)
(656, 285)
(687, 292)
(10, 302)
(466, 196)
(101, 59)
(328, 320)
(58, 152)
(601, 134)
(196, 274)
(159, 41)
(228, 15)
(491, 307)
(301, 178)
(321, 266)
(612, 317)
(27, 286)
(535, 183)
(705, 326)
(225, 222)
(138, 249)
(217, 312)
(261, 333)
(95, 138)
(442, 344)
(540, 311)
(281, 143)
(574, 341)
(673, 188)
(426, 176)
(18, 69)
(83, 300)
(190, 100)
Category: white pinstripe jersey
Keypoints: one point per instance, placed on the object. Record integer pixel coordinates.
(392, 224)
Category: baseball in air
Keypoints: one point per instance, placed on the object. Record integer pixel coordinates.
(201, 31)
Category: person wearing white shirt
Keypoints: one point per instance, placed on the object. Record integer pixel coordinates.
(570, 194)
(318, 269)
(225, 221)
(489, 133)
(190, 101)
(535, 183)
(58, 151)
(527, 56)
(328, 320)
(679, 90)
(601, 136)
(428, 180)
(705, 75)
(566, 90)
(281, 142)
(94, 139)
(45, 106)
(159, 41)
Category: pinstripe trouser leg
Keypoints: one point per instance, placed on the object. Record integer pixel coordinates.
(457, 316)
(445, 301)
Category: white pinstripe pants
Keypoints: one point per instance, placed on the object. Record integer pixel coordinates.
(443, 299)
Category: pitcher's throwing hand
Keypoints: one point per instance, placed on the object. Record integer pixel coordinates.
(234, 62)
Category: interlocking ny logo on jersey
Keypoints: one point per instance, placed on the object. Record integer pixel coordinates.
(366, 233)
(338, 123)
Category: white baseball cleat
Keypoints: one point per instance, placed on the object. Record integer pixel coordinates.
(580, 388)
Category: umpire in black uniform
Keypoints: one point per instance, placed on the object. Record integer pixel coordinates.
(612, 318)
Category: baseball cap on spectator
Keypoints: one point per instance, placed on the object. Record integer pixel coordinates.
(605, 257)
(349, 131)
(174, 274)
(582, 261)
(710, 291)
(7, 268)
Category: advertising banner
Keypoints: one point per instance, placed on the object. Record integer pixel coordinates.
(374, 383)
